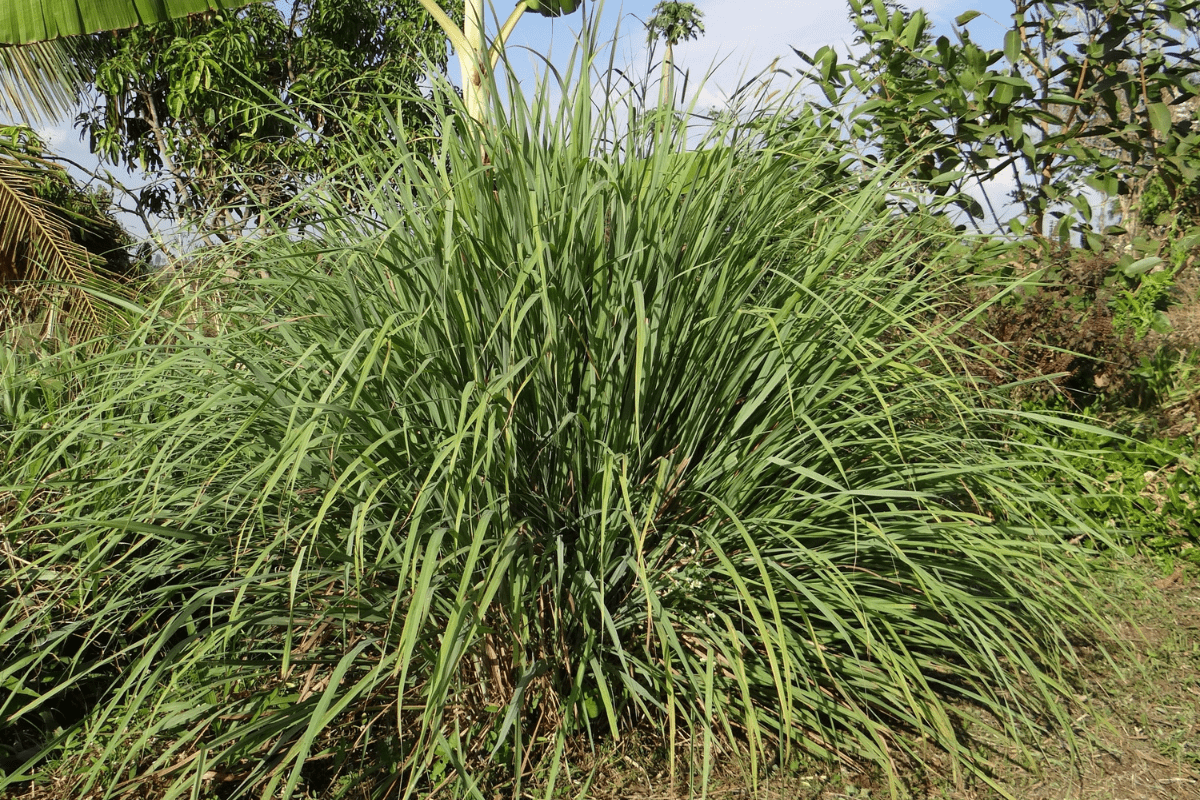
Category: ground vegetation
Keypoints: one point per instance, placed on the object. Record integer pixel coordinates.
(579, 450)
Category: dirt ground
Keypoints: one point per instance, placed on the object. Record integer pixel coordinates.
(1138, 728)
(1136, 724)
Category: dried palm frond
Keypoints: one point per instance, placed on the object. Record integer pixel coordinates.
(40, 262)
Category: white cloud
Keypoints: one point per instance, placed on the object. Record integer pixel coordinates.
(55, 137)
(742, 39)
(768, 28)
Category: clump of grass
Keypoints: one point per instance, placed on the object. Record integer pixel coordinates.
(555, 435)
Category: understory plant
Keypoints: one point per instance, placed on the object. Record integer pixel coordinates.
(569, 431)
(1145, 490)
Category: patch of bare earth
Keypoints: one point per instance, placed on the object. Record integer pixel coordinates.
(1136, 724)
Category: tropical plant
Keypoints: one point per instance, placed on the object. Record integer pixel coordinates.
(1080, 97)
(477, 57)
(48, 68)
(55, 239)
(673, 22)
(232, 114)
(536, 449)
(41, 79)
(59, 18)
(44, 77)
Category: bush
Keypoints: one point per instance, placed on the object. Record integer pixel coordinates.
(568, 435)
(1071, 329)
(1141, 486)
(1156, 201)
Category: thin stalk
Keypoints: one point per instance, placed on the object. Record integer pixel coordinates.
(475, 56)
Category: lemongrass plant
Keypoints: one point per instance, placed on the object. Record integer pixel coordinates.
(543, 447)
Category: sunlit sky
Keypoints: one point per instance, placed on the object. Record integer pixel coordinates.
(742, 37)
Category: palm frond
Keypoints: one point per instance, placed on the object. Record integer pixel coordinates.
(38, 256)
(40, 81)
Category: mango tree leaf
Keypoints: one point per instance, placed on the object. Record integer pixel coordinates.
(1082, 205)
(946, 177)
(1142, 265)
(914, 29)
(1012, 46)
(1160, 117)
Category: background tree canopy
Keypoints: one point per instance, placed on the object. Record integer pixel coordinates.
(1080, 97)
(46, 74)
(236, 111)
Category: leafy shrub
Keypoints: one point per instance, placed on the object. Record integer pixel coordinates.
(1155, 202)
(569, 434)
(1075, 325)
(1143, 487)
(1055, 332)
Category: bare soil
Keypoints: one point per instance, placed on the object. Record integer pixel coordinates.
(1138, 728)
(1136, 731)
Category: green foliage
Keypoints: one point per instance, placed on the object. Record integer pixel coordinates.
(56, 238)
(1155, 200)
(45, 62)
(19, 24)
(1079, 96)
(41, 81)
(1147, 289)
(1158, 208)
(1145, 277)
(86, 211)
(675, 22)
(235, 113)
(1166, 378)
(553, 8)
(1149, 489)
(533, 449)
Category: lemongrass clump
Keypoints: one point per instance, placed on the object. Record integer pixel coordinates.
(560, 434)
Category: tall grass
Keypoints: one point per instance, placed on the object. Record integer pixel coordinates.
(554, 437)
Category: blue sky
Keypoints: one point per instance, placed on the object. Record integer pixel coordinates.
(742, 38)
